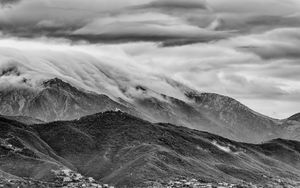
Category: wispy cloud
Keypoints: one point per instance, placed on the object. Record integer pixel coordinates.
(245, 49)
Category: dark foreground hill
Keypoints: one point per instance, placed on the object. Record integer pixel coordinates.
(122, 150)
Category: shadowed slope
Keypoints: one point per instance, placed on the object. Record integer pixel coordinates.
(124, 150)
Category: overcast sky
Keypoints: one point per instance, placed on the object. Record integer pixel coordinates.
(246, 49)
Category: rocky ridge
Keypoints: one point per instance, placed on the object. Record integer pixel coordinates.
(58, 100)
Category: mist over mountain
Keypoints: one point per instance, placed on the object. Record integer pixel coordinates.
(150, 93)
(55, 100)
(58, 100)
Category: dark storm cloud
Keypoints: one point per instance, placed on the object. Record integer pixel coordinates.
(176, 4)
(9, 2)
(280, 43)
(164, 40)
(275, 51)
(258, 23)
(172, 22)
(133, 34)
(139, 27)
(132, 21)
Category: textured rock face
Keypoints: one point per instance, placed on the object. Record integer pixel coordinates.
(122, 150)
(58, 100)
(55, 100)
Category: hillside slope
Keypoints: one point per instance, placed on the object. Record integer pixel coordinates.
(120, 149)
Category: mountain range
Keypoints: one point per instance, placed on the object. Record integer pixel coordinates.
(59, 135)
(121, 150)
(56, 100)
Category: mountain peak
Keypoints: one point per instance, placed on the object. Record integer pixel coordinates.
(56, 83)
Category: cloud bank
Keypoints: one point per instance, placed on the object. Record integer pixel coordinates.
(248, 50)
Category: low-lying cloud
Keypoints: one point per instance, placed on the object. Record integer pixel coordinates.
(248, 49)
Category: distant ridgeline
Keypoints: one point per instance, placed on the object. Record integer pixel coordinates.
(58, 100)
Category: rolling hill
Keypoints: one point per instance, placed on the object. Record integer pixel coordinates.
(119, 149)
